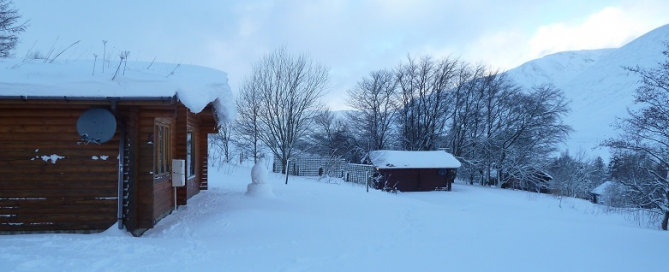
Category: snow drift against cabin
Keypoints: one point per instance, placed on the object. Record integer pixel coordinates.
(194, 86)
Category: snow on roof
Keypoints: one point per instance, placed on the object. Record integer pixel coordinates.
(393, 159)
(194, 86)
(601, 189)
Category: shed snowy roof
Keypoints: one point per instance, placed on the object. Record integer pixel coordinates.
(601, 189)
(194, 86)
(393, 159)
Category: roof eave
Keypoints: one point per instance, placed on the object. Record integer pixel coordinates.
(169, 99)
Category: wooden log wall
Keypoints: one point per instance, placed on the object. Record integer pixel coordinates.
(182, 129)
(154, 195)
(430, 180)
(189, 122)
(51, 180)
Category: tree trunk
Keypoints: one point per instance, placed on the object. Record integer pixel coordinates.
(284, 169)
(666, 214)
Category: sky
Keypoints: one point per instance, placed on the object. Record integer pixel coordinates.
(352, 38)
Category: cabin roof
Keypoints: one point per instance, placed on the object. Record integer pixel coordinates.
(601, 189)
(194, 86)
(393, 159)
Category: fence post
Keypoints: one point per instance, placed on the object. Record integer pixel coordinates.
(287, 164)
(367, 180)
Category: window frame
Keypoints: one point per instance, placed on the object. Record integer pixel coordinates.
(162, 147)
(191, 160)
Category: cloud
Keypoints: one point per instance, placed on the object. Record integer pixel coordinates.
(352, 37)
(611, 27)
(606, 27)
(501, 50)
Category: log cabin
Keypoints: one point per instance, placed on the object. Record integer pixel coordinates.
(57, 179)
(410, 171)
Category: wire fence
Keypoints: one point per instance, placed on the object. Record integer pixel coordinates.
(335, 168)
(358, 173)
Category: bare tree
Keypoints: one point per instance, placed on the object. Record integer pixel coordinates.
(375, 102)
(331, 137)
(501, 132)
(491, 108)
(424, 87)
(646, 132)
(222, 143)
(289, 89)
(466, 103)
(9, 27)
(225, 138)
(466, 127)
(531, 131)
(248, 125)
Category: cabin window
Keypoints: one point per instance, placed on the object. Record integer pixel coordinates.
(190, 155)
(162, 149)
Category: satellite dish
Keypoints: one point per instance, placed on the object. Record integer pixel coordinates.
(96, 125)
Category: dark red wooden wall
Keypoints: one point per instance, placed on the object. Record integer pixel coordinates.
(78, 192)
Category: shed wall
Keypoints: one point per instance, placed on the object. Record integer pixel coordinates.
(412, 180)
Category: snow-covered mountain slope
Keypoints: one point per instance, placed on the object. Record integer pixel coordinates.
(558, 67)
(599, 88)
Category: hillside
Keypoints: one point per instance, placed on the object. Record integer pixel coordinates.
(597, 84)
(318, 226)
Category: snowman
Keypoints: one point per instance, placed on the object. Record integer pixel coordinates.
(259, 185)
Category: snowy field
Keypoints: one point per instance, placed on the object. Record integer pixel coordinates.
(316, 226)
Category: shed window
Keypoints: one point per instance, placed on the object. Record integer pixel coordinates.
(190, 155)
(162, 149)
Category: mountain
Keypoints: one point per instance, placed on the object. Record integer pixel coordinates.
(595, 81)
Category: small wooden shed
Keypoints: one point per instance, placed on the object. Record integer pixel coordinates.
(54, 179)
(601, 193)
(409, 171)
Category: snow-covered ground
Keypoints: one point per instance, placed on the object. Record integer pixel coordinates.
(316, 226)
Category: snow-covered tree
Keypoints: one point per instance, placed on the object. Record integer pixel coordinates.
(530, 132)
(10, 27)
(575, 175)
(599, 171)
(646, 133)
(499, 131)
(506, 134)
